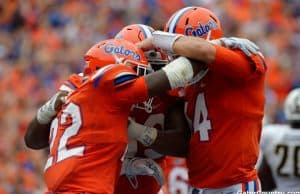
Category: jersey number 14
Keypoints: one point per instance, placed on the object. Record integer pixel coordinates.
(201, 122)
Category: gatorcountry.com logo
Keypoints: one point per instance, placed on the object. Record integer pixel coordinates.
(111, 48)
(201, 30)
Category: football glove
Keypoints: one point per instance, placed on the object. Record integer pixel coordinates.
(50, 108)
(247, 46)
(132, 167)
(144, 134)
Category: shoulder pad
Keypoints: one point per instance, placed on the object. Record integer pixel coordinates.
(72, 83)
(118, 74)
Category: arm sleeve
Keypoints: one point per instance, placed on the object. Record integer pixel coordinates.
(72, 83)
(235, 64)
(132, 92)
(123, 85)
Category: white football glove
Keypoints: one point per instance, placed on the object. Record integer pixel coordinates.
(144, 134)
(142, 166)
(50, 108)
(247, 46)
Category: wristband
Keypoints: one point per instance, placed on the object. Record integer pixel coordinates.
(165, 40)
(179, 72)
(145, 135)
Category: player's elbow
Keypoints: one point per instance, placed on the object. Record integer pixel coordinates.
(29, 142)
(32, 142)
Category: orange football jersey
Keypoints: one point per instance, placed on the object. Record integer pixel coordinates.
(88, 138)
(73, 82)
(225, 111)
(154, 118)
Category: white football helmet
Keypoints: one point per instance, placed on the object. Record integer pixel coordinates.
(292, 105)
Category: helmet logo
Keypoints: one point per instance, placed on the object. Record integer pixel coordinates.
(201, 29)
(111, 48)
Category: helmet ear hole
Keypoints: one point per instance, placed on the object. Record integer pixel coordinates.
(212, 17)
(187, 21)
(140, 36)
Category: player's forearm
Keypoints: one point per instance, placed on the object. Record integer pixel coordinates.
(187, 46)
(177, 73)
(174, 139)
(157, 83)
(173, 142)
(37, 135)
(195, 48)
(265, 176)
(170, 142)
(219, 59)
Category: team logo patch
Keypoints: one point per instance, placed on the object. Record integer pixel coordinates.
(111, 48)
(201, 30)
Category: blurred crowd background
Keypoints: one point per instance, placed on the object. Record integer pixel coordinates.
(41, 42)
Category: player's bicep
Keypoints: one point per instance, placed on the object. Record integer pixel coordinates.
(235, 64)
(131, 90)
(122, 84)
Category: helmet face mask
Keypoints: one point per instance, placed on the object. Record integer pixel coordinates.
(136, 33)
(156, 59)
(139, 68)
(139, 32)
(292, 106)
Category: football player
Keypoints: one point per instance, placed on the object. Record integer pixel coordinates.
(88, 136)
(155, 112)
(224, 102)
(280, 145)
(143, 112)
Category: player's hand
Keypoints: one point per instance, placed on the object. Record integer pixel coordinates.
(144, 134)
(146, 44)
(51, 107)
(247, 46)
(143, 166)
